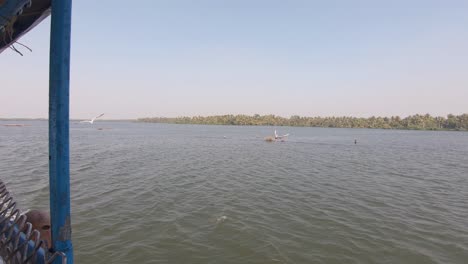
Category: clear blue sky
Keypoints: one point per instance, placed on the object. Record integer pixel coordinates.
(172, 58)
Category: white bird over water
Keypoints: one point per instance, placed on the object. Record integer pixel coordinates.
(92, 120)
(280, 137)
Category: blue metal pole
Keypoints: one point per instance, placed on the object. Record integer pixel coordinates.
(59, 151)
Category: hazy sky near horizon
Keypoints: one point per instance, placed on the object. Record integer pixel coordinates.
(174, 58)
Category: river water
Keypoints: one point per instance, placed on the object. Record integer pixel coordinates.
(159, 193)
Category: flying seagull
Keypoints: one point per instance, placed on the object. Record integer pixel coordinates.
(276, 138)
(280, 137)
(92, 120)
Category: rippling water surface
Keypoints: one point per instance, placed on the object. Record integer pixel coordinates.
(156, 193)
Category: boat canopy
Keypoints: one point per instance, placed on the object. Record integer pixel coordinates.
(17, 17)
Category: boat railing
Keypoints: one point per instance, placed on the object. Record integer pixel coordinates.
(19, 242)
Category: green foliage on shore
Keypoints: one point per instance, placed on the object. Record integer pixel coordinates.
(419, 122)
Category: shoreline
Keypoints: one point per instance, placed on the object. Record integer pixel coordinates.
(402, 129)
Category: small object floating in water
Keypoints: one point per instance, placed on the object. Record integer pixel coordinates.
(355, 141)
(221, 219)
(224, 137)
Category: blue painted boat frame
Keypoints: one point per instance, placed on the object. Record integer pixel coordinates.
(14, 24)
(59, 150)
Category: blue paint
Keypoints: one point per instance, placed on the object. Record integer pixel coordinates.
(40, 254)
(59, 151)
(17, 17)
(10, 9)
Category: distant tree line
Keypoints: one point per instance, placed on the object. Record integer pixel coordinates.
(418, 122)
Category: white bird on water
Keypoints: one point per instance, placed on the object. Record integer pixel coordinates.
(92, 120)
